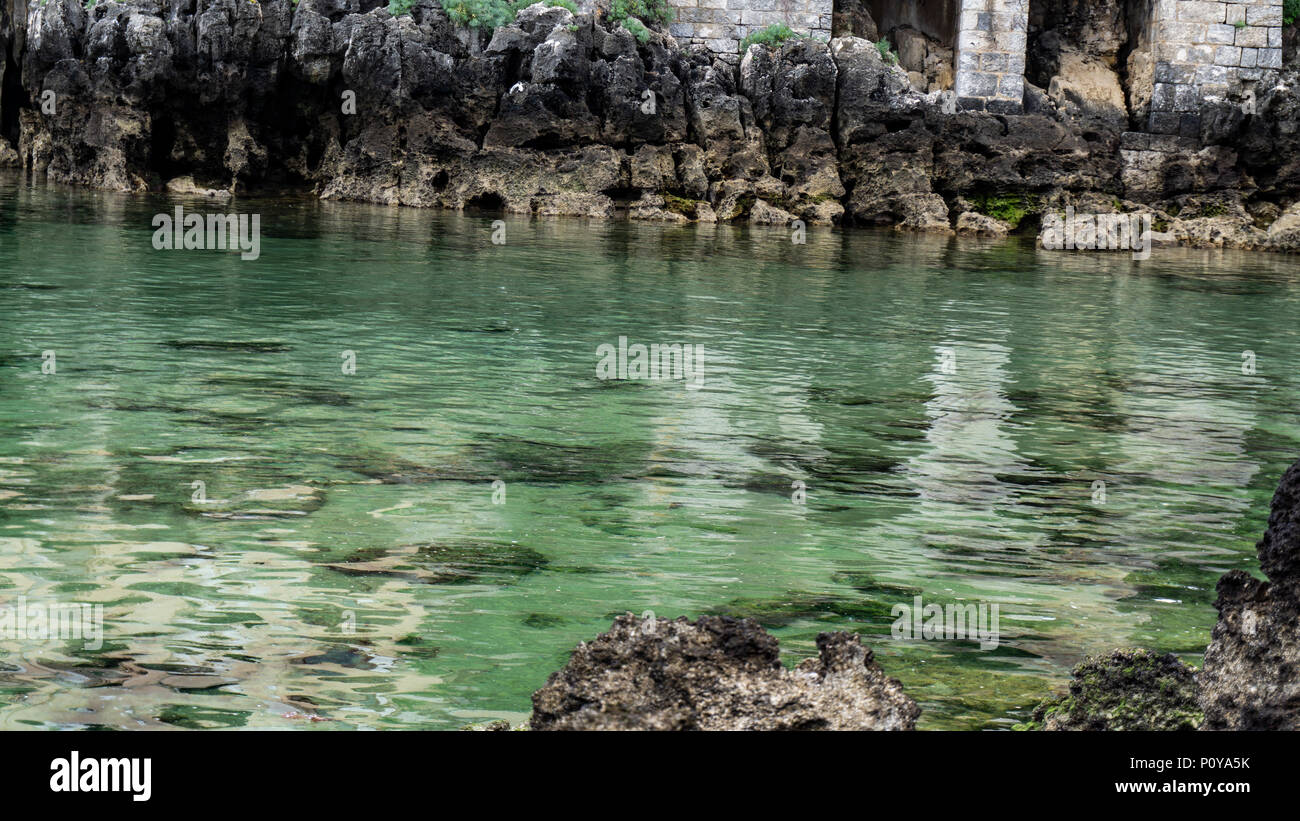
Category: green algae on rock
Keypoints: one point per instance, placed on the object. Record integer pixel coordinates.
(1124, 690)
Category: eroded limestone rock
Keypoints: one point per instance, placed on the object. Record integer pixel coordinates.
(717, 673)
(1251, 677)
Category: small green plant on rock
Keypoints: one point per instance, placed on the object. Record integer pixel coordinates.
(480, 14)
(637, 28)
(550, 4)
(633, 15)
(1009, 208)
(773, 35)
(1290, 12)
(476, 14)
(886, 53)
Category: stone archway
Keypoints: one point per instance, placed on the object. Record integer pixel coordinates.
(924, 34)
(987, 39)
(934, 18)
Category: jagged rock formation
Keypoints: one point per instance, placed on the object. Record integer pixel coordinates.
(562, 115)
(1251, 678)
(717, 673)
(1125, 690)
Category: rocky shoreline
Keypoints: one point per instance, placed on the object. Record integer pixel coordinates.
(1251, 676)
(557, 114)
(721, 673)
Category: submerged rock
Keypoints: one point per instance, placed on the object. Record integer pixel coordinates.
(231, 345)
(1251, 678)
(717, 673)
(262, 503)
(1125, 690)
(469, 562)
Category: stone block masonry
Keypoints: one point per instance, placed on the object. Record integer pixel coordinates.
(1144, 157)
(1201, 49)
(992, 36)
(1207, 49)
(720, 25)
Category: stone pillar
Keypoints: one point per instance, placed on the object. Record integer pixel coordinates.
(1210, 49)
(991, 39)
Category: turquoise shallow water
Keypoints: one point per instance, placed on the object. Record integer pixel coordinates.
(349, 561)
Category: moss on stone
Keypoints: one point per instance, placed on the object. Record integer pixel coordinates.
(771, 36)
(681, 205)
(1124, 690)
(1009, 208)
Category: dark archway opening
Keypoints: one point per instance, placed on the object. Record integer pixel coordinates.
(936, 19)
(162, 137)
(1103, 47)
(13, 98)
(923, 33)
(487, 201)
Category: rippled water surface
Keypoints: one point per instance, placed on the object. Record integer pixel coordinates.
(348, 561)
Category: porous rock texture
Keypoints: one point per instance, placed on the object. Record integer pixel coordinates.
(1125, 690)
(1251, 677)
(717, 673)
(557, 114)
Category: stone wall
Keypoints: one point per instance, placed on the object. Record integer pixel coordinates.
(1200, 49)
(991, 39)
(720, 25)
(1210, 49)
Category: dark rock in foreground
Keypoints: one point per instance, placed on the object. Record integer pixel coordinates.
(1251, 678)
(1125, 690)
(717, 673)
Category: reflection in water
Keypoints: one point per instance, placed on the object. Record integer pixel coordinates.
(277, 543)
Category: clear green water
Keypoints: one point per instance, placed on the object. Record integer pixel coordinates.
(477, 362)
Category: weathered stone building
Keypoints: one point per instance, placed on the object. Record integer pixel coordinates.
(720, 25)
(1200, 49)
(1209, 48)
